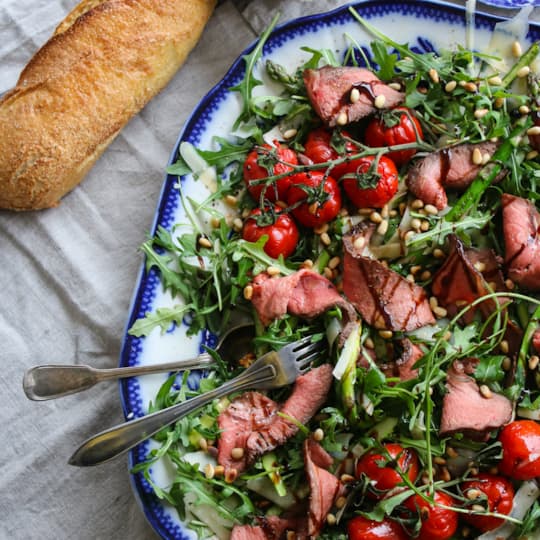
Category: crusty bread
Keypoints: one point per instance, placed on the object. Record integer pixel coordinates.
(106, 60)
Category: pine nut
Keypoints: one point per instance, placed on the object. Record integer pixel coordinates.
(237, 224)
(313, 207)
(355, 95)
(416, 224)
(417, 204)
(273, 271)
(523, 72)
(342, 119)
(440, 312)
(237, 453)
(415, 269)
(204, 242)
(231, 200)
(395, 86)
(477, 156)
(219, 470)
(410, 278)
(439, 253)
(215, 222)
(209, 471)
(334, 262)
(386, 334)
(248, 292)
(504, 346)
(308, 263)
(321, 229)
(533, 362)
(517, 51)
(331, 519)
(450, 86)
(480, 113)
(439, 460)
(499, 103)
(485, 391)
(506, 363)
(470, 87)
(383, 227)
(325, 239)
(203, 444)
(385, 212)
(327, 273)
(318, 435)
(379, 102)
(431, 210)
(369, 343)
(433, 75)
(359, 243)
(535, 130)
(523, 109)
(290, 133)
(480, 266)
(495, 80)
(433, 302)
(375, 217)
(425, 275)
(473, 494)
(451, 452)
(532, 155)
(478, 508)
(347, 478)
(486, 158)
(341, 502)
(424, 227)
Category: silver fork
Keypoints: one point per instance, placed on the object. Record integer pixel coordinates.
(272, 370)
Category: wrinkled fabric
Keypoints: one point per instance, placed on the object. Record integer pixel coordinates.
(67, 277)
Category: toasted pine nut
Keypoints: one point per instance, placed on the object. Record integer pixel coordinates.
(355, 95)
(485, 391)
(342, 119)
(523, 72)
(379, 102)
(450, 86)
(477, 156)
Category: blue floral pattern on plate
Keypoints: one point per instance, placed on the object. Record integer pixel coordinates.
(424, 25)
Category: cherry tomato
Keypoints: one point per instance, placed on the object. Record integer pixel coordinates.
(321, 205)
(385, 180)
(500, 497)
(318, 148)
(521, 450)
(398, 126)
(437, 523)
(254, 170)
(382, 467)
(280, 227)
(361, 528)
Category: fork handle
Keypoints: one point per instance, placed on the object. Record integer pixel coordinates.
(119, 439)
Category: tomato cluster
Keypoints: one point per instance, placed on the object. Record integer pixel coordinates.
(313, 195)
(393, 467)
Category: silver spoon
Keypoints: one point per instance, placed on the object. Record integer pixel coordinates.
(53, 381)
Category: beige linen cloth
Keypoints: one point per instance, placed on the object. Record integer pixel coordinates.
(66, 280)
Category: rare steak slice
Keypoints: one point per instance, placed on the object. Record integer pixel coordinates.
(329, 91)
(450, 168)
(521, 227)
(308, 396)
(304, 293)
(324, 487)
(246, 414)
(385, 299)
(251, 422)
(466, 410)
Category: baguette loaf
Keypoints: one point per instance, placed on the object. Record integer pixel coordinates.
(105, 61)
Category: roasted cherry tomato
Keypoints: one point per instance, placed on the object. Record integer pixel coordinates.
(397, 126)
(280, 227)
(381, 467)
(384, 182)
(361, 528)
(521, 450)
(318, 149)
(322, 202)
(500, 498)
(276, 159)
(438, 523)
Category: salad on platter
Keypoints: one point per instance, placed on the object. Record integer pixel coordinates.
(384, 202)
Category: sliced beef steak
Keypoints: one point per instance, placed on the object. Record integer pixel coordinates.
(248, 532)
(309, 394)
(251, 421)
(324, 488)
(329, 91)
(246, 414)
(305, 294)
(385, 299)
(521, 226)
(466, 410)
(451, 168)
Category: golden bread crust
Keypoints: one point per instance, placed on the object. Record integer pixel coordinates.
(106, 60)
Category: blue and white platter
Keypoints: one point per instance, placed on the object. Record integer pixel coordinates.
(511, 4)
(424, 25)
